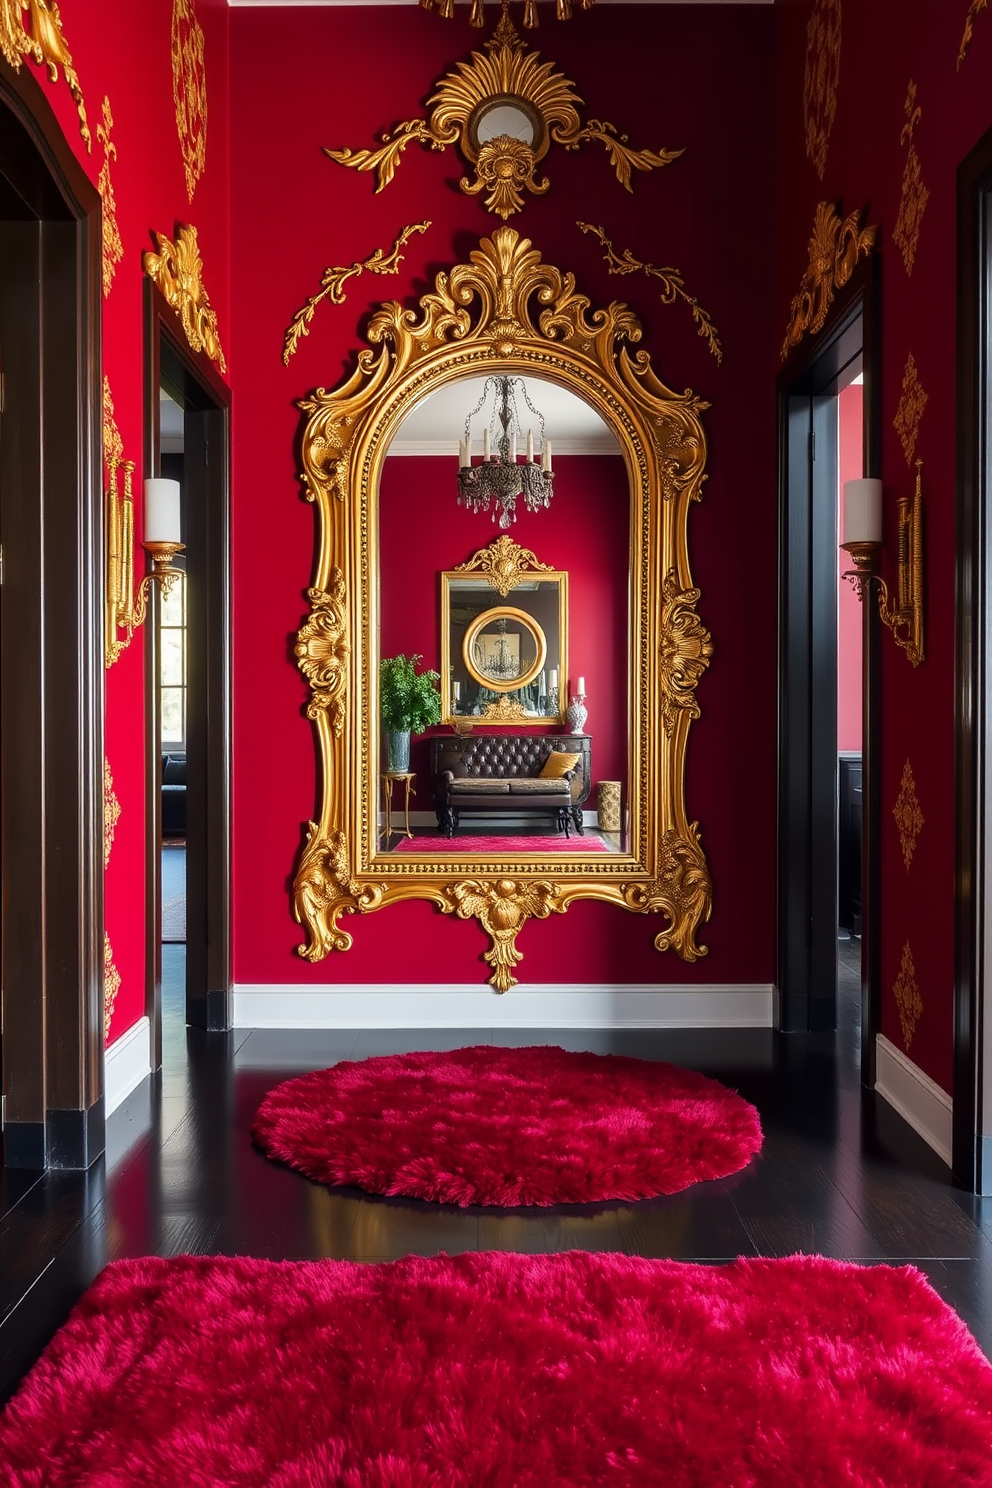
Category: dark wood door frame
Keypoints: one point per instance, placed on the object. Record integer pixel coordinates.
(807, 704)
(972, 1116)
(206, 399)
(51, 527)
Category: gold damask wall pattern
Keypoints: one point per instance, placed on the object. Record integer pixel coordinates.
(914, 197)
(906, 992)
(823, 33)
(974, 11)
(504, 166)
(111, 983)
(177, 269)
(835, 246)
(505, 311)
(672, 285)
(41, 40)
(113, 247)
(333, 281)
(111, 811)
(912, 402)
(189, 90)
(908, 815)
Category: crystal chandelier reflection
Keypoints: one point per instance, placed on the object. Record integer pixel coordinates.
(500, 478)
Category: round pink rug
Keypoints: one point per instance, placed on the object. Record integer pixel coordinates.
(495, 1126)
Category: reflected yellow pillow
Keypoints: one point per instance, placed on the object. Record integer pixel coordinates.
(558, 763)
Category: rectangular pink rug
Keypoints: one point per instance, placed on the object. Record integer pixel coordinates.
(500, 846)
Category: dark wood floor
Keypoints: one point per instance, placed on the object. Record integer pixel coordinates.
(839, 1174)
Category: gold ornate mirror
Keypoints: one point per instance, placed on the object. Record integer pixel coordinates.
(506, 312)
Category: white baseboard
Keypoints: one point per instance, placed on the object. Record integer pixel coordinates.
(918, 1099)
(126, 1063)
(530, 1006)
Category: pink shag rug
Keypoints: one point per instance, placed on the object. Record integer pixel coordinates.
(503, 845)
(509, 1371)
(488, 1125)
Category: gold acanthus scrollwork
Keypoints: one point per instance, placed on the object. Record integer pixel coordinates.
(324, 889)
(503, 563)
(322, 650)
(502, 908)
(974, 11)
(42, 42)
(503, 308)
(177, 269)
(504, 166)
(505, 710)
(113, 246)
(111, 811)
(835, 246)
(189, 90)
(683, 890)
(823, 36)
(111, 983)
(685, 649)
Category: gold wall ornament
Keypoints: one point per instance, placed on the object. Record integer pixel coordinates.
(505, 311)
(907, 814)
(914, 197)
(907, 995)
(823, 33)
(113, 444)
(904, 617)
(912, 403)
(502, 908)
(505, 710)
(322, 650)
(41, 41)
(672, 285)
(189, 90)
(117, 576)
(503, 563)
(111, 983)
(111, 811)
(177, 269)
(834, 249)
(113, 247)
(546, 105)
(333, 281)
(684, 648)
(974, 11)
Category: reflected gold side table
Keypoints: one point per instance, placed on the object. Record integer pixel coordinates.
(389, 778)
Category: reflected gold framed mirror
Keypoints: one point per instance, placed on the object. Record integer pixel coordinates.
(505, 311)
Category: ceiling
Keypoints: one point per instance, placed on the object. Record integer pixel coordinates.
(287, 3)
(437, 423)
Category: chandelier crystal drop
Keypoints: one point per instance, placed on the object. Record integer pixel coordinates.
(499, 478)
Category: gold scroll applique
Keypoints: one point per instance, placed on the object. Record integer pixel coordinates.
(111, 983)
(177, 269)
(914, 198)
(907, 814)
(974, 11)
(113, 246)
(907, 996)
(834, 248)
(822, 76)
(912, 402)
(111, 811)
(43, 42)
(189, 90)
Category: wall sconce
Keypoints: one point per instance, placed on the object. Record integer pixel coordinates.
(862, 532)
(126, 609)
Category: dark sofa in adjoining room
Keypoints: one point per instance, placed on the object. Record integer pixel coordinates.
(173, 795)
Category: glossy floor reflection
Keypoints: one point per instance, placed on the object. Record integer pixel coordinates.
(839, 1174)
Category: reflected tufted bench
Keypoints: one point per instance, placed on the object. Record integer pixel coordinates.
(500, 775)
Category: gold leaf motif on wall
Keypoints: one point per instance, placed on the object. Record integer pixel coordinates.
(834, 249)
(177, 269)
(907, 996)
(910, 410)
(913, 202)
(113, 445)
(822, 77)
(113, 246)
(907, 814)
(43, 43)
(974, 11)
(189, 90)
(111, 811)
(111, 983)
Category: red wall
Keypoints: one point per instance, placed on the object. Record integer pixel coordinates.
(884, 48)
(131, 64)
(653, 71)
(850, 462)
(586, 533)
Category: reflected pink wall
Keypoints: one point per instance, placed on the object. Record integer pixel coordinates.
(850, 406)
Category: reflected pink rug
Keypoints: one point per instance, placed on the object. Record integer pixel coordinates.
(487, 1125)
(504, 845)
(509, 1371)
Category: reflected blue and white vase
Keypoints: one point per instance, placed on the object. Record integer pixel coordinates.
(398, 751)
(575, 715)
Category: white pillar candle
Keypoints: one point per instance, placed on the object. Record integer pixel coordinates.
(161, 516)
(553, 678)
(581, 687)
(546, 461)
(862, 511)
(530, 445)
(464, 458)
(456, 688)
(485, 444)
(513, 447)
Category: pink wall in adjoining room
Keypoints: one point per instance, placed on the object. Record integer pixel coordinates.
(850, 461)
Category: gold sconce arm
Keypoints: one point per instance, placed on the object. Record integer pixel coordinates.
(126, 607)
(905, 617)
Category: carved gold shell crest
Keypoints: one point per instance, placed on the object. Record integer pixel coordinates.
(42, 41)
(504, 309)
(505, 164)
(177, 269)
(834, 249)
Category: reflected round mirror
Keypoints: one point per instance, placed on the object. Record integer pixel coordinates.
(504, 649)
(503, 117)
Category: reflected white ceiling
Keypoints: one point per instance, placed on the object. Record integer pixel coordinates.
(438, 422)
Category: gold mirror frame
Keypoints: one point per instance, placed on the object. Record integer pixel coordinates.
(505, 310)
(474, 633)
